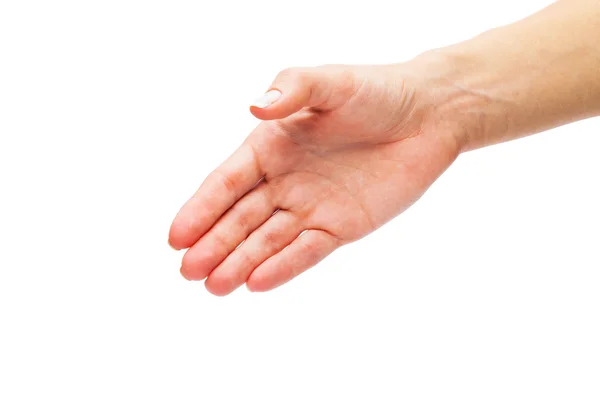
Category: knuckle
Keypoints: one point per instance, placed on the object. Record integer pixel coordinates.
(286, 73)
(244, 222)
(273, 238)
(220, 241)
(244, 257)
(227, 181)
(310, 250)
(296, 75)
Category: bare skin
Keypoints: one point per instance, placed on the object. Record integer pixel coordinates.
(347, 148)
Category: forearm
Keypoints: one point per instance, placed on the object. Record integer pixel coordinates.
(524, 78)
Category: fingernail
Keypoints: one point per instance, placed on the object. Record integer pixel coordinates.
(267, 99)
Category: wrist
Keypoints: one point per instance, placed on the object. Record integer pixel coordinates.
(517, 80)
(459, 87)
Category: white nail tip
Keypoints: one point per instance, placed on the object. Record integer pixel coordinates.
(267, 99)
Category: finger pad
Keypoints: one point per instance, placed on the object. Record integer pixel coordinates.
(196, 265)
(263, 279)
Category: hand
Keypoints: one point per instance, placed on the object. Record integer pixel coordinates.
(342, 151)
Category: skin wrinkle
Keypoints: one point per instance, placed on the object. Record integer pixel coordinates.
(343, 188)
(352, 84)
(220, 240)
(256, 162)
(240, 253)
(356, 91)
(407, 109)
(401, 127)
(310, 92)
(244, 218)
(325, 160)
(285, 132)
(312, 250)
(272, 237)
(402, 120)
(270, 243)
(228, 184)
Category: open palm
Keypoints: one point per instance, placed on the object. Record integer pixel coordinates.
(340, 153)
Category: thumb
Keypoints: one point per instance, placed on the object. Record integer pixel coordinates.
(296, 88)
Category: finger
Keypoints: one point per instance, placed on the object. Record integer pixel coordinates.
(281, 229)
(219, 191)
(295, 88)
(303, 253)
(233, 228)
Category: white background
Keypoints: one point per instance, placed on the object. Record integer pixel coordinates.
(112, 113)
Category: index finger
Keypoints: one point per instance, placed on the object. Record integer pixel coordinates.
(219, 191)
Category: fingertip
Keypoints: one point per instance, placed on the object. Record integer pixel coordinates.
(260, 113)
(187, 227)
(171, 245)
(257, 283)
(217, 287)
(178, 236)
(272, 105)
(183, 271)
(266, 100)
(191, 266)
(191, 274)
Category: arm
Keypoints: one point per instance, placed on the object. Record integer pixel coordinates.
(344, 149)
(533, 75)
